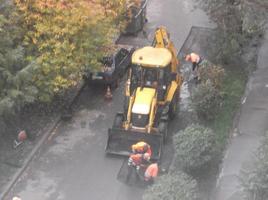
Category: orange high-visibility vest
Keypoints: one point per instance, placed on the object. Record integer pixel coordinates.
(151, 171)
(136, 159)
(193, 57)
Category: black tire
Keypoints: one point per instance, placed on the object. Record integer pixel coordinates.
(173, 107)
(118, 121)
(163, 129)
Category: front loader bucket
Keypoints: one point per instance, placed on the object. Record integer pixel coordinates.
(130, 176)
(120, 141)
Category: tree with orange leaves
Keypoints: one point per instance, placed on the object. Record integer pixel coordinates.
(65, 38)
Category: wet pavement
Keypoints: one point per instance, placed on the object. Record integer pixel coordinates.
(251, 127)
(72, 163)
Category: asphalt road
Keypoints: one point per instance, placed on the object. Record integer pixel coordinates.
(72, 164)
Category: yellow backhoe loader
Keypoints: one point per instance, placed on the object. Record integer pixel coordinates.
(151, 96)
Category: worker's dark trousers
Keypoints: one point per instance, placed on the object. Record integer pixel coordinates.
(195, 67)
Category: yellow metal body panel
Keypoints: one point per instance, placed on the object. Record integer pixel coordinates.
(152, 114)
(144, 96)
(142, 99)
(162, 54)
(162, 40)
(152, 57)
(171, 91)
(127, 122)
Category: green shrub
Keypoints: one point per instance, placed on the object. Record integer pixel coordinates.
(172, 186)
(195, 147)
(207, 96)
(255, 180)
(213, 73)
(206, 100)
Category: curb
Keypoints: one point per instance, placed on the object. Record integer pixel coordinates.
(37, 147)
(235, 124)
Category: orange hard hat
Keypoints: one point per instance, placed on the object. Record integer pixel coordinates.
(133, 147)
(151, 171)
(188, 57)
(138, 145)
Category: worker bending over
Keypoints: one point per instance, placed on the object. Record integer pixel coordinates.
(195, 59)
(139, 160)
(137, 164)
(141, 148)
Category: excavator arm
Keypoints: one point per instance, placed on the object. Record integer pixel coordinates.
(162, 40)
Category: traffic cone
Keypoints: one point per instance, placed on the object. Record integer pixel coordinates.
(108, 94)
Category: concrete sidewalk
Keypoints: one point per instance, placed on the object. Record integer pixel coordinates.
(251, 126)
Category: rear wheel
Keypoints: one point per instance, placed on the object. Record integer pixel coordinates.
(173, 107)
(163, 129)
(118, 121)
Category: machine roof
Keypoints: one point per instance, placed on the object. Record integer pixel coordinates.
(152, 57)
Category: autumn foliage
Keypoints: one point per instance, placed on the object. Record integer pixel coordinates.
(47, 45)
(66, 37)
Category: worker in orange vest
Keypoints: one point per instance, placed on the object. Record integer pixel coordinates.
(139, 160)
(137, 163)
(195, 59)
(151, 173)
(141, 147)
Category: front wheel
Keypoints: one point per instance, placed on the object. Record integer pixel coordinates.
(118, 121)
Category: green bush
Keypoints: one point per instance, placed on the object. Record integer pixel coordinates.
(16, 88)
(206, 100)
(207, 96)
(172, 186)
(195, 147)
(213, 73)
(238, 22)
(255, 180)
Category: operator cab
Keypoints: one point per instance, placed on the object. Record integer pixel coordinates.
(151, 67)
